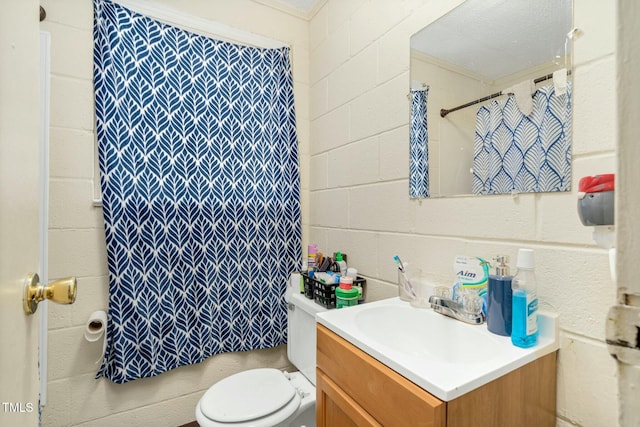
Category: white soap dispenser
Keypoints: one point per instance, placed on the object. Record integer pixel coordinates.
(596, 208)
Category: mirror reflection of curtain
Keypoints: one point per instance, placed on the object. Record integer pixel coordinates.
(419, 153)
(518, 153)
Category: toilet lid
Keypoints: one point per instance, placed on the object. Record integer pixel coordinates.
(247, 395)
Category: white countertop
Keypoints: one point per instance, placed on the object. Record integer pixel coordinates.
(445, 379)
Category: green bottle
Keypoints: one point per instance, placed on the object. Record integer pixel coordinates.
(346, 294)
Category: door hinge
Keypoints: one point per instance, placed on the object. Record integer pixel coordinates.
(623, 333)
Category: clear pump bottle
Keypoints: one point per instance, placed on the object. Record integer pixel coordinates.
(524, 332)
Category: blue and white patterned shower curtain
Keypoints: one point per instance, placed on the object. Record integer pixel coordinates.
(518, 153)
(200, 188)
(418, 146)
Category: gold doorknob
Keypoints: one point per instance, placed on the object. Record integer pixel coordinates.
(61, 291)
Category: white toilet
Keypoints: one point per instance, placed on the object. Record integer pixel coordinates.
(269, 397)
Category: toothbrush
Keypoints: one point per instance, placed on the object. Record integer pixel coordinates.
(407, 283)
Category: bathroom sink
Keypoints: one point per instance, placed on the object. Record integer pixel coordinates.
(445, 356)
(426, 334)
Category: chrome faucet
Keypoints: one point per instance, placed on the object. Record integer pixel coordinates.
(451, 308)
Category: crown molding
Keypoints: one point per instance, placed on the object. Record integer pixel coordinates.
(307, 15)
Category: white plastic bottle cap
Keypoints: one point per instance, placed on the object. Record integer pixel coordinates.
(346, 282)
(525, 258)
(352, 272)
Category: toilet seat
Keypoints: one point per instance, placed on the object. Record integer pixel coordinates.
(255, 397)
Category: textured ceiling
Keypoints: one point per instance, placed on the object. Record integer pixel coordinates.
(495, 38)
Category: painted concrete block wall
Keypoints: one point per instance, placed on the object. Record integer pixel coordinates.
(364, 210)
(76, 233)
(351, 70)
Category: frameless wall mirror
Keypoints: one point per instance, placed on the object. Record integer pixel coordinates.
(494, 77)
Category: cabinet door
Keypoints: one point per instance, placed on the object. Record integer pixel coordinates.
(334, 408)
(386, 396)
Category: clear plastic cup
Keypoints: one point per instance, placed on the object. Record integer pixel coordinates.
(403, 289)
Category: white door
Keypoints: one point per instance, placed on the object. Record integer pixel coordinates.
(19, 222)
(624, 319)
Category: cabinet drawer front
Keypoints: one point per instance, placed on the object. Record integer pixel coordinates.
(386, 395)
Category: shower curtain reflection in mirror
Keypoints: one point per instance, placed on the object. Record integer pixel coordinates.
(418, 145)
(519, 153)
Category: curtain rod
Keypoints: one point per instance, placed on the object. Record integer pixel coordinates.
(444, 111)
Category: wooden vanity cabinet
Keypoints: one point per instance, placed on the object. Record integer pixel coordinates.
(355, 389)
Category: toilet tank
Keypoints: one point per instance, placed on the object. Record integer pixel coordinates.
(301, 344)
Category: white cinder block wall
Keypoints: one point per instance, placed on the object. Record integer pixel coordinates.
(76, 236)
(351, 71)
(359, 190)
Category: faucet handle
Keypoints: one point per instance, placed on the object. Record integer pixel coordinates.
(472, 303)
(442, 292)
